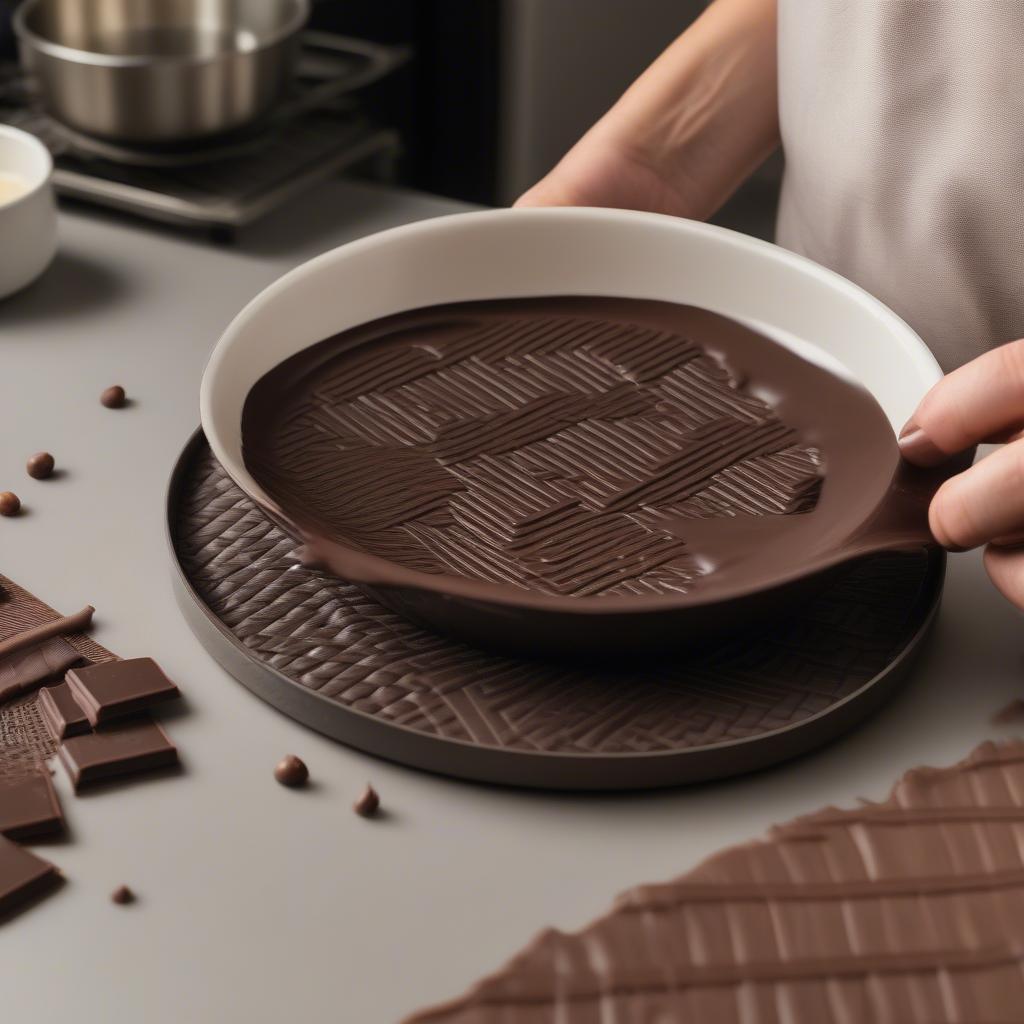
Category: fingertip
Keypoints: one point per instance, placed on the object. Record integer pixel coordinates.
(942, 519)
(918, 448)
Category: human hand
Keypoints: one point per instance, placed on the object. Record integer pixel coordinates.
(599, 173)
(982, 401)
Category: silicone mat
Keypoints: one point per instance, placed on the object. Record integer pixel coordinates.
(324, 653)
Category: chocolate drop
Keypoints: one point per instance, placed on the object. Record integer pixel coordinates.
(368, 804)
(291, 771)
(40, 466)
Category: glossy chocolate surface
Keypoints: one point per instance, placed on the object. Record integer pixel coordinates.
(907, 910)
(123, 748)
(23, 875)
(61, 712)
(570, 448)
(29, 806)
(118, 688)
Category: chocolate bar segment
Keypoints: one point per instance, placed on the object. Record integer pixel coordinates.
(124, 748)
(29, 806)
(907, 910)
(61, 712)
(118, 688)
(23, 875)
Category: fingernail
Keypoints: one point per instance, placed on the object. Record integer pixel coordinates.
(917, 447)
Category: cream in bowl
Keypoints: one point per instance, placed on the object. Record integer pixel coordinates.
(28, 215)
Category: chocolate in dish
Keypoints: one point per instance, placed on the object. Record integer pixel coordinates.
(569, 446)
(910, 910)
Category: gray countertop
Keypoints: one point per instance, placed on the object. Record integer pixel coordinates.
(258, 903)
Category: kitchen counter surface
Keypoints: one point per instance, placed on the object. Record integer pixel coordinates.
(258, 903)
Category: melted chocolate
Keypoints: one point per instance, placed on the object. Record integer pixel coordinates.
(568, 446)
(911, 909)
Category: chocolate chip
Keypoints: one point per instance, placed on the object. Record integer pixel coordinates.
(113, 397)
(368, 803)
(122, 894)
(291, 771)
(10, 503)
(40, 466)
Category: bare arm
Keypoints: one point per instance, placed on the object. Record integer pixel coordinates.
(689, 130)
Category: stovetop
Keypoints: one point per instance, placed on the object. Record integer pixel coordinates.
(317, 130)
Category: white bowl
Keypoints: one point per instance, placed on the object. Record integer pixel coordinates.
(28, 224)
(518, 253)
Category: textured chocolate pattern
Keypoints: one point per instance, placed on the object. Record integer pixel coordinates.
(24, 739)
(542, 444)
(909, 910)
(329, 637)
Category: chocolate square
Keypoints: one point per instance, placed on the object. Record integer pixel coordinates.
(124, 748)
(22, 875)
(61, 713)
(29, 806)
(117, 688)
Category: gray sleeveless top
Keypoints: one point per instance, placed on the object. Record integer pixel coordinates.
(903, 127)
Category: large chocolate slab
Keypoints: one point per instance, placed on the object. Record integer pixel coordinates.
(569, 446)
(124, 748)
(23, 875)
(325, 653)
(908, 910)
(29, 806)
(118, 688)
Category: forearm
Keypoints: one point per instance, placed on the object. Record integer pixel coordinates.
(700, 118)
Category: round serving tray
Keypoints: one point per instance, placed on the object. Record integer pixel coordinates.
(330, 657)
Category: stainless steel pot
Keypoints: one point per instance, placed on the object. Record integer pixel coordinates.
(158, 71)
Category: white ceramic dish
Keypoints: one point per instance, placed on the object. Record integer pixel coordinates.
(519, 253)
(28, 223)
(515, 253)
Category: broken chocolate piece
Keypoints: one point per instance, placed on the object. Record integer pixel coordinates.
(29, 806)
(22, 670)
(23, 875)
(118, 688)
(368, 804)
(291, 771)
(124, 748)
(122, 895)
(61, 712)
